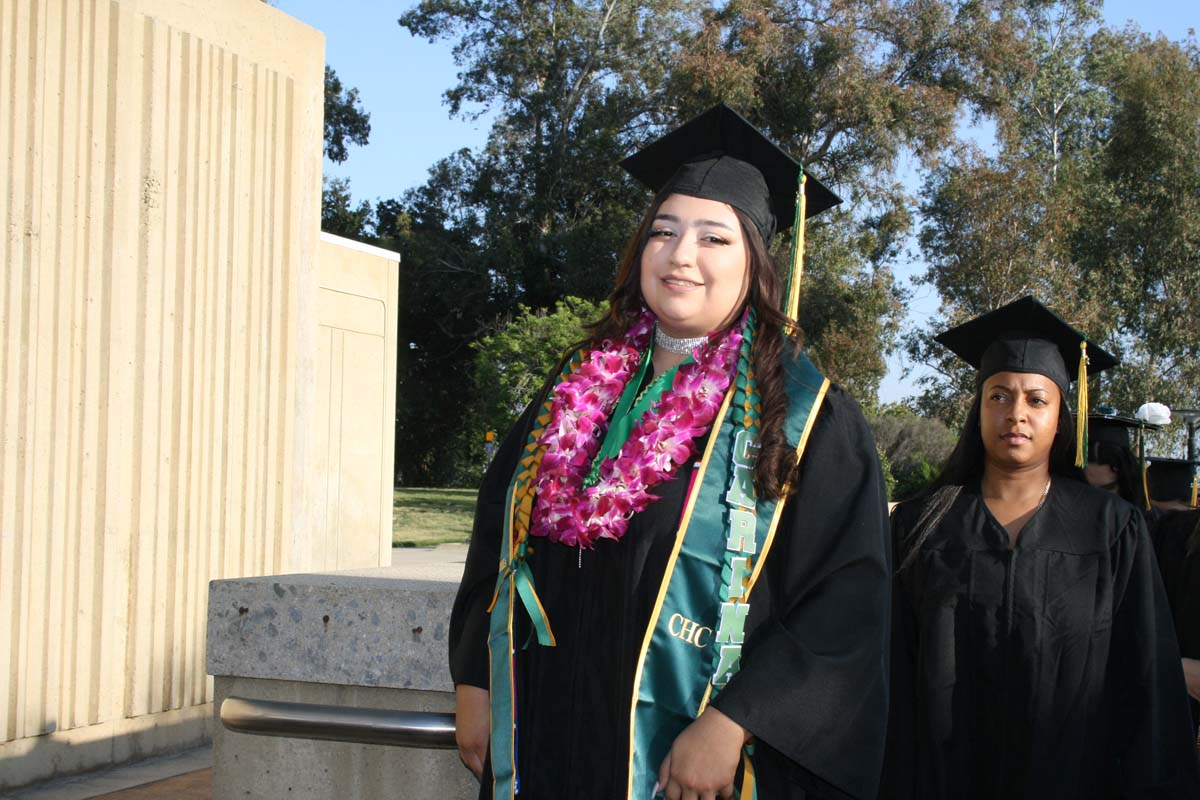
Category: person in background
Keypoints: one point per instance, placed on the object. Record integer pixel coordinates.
(1177, 541)
(1112, 464)
(678, 579)
(1176, 537)
(1033, 654)
(1172, 483)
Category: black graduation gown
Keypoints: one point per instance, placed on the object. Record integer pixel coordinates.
(1045, 671)
(813, 680)
(1181, 579)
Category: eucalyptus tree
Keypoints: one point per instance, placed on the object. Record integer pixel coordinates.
(1090, 200)
(857, 89)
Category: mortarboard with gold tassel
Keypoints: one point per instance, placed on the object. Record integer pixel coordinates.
(720, 156)
(1025, 336)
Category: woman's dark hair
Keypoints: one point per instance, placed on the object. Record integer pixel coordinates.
(1125, 463)
(776, 458)
(964, 467)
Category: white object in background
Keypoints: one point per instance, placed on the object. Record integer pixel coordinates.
(1154, 413)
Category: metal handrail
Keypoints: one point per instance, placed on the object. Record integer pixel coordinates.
(423, 729)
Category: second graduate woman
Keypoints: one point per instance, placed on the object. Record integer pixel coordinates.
(1111, 463)
(1178, 547)
(647, 608)
(1033, 651)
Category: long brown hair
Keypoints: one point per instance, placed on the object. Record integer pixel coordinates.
(776, 458)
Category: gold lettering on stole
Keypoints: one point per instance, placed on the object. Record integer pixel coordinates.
(687, 630)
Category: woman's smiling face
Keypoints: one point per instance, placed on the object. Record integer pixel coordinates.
(694, 267)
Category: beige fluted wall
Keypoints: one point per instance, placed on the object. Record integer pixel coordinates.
(160, 191)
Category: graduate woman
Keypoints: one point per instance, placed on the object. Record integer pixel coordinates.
(657, 601)
(1178, 545)
(1177, 542)
(1111, 463)
(1033, 652)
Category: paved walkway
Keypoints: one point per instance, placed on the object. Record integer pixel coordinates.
(442, 554)
(192, 786)
(186, 775)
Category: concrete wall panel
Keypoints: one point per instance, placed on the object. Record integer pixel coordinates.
(357, 300)
(160, 195)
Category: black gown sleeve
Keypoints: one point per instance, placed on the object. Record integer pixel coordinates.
(812, 687)
(1180, 572)
(469, 617)
(1151, 748)
(899, 779)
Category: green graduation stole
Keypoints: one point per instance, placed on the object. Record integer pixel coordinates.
(693, 641)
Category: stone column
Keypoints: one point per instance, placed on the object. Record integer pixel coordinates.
(372, 638)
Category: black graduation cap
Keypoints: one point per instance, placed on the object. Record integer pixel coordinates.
(1112, 428)
(1107, 427)
(720, 156)
(1024, 336)
(1171, 478)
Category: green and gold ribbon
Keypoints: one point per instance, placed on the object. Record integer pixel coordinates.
(515, 581)
(633, 405)
(516, 573)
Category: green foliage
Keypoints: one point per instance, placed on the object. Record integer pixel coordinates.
(540, 212)
(573, 84)
(915, 478)
(889, 480)
(849, 313)
(339, 215)
(1139, 233)
(915, 448)
(1036, 81)
(1090, 201)
(849, 87)
(345, 122)
(345, 119)
(515, 361)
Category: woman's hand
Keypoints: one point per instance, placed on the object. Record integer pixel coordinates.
(1191, 676)
(472, 725)
(703, 760)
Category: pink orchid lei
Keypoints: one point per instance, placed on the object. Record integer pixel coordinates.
(659, 443)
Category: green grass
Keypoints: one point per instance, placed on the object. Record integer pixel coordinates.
(428, 517)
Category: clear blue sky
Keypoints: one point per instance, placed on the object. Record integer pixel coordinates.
(401, 81)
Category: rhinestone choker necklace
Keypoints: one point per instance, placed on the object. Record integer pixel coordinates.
(678, 346)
